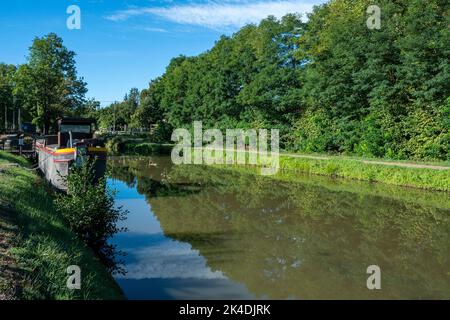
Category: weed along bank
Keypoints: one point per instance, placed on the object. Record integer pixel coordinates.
(51, 233)
(73, 144)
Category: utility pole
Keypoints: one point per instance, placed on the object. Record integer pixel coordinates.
(6, 117)
(114, 125)
(19, 120)
(14, 114)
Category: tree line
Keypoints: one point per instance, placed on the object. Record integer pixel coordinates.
(328, 83)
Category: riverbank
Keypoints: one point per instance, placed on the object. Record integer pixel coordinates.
(37, 246)
(422, 175)
(429, 176)
(125, 145)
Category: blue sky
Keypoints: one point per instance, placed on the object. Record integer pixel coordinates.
(126, 43)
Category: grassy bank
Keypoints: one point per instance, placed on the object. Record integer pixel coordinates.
(422, 175)
(423, 178)
(397, 193)
(43, 246)
(435, 176)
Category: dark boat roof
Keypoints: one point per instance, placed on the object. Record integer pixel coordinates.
(75, 121)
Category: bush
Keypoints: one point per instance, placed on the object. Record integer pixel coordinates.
(116, 145)
(162, 133)
(312, 132)
(376, 134)
(89, 209)
(428, 133)
(332, 169)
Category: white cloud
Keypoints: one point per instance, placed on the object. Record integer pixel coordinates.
(149, 29)
(167, 260)
(219, 15)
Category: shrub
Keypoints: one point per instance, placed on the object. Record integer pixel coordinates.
(428, 134)
(332, 169)
(312, 132)
(162, 133)
(116, 145)
(89, 209)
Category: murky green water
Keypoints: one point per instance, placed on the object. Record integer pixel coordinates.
(204, 233)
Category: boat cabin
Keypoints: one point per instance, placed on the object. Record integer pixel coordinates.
(74, 130)
(73, 144)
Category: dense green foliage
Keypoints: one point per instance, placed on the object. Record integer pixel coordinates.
(118, 116)
(377, 92)
(45, 245)
(47, 85)
(329, 84)
(45, 88)
(6, 92)
(90, 211)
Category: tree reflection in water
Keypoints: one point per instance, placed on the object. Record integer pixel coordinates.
(309, 239)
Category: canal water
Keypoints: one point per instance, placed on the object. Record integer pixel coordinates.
(198, 232)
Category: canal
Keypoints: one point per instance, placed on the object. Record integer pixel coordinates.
(198, 232)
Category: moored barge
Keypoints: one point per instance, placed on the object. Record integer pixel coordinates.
(72, 146)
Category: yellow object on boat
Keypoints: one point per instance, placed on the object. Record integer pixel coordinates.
(67, 150)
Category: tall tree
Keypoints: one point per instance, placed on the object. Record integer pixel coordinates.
(128, 106)
(89, 109)
(374, 87)
(330, 84)
(6, 94)
(49, 82)
(148, 112)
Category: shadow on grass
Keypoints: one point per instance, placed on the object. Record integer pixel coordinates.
(8, 157)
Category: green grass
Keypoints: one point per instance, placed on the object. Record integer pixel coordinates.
(422, 178)
(410, 195)
(340, 166)
(356, 169)
(45, 246)
(365, 158)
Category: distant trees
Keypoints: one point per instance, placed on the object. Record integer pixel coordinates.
(119, 115)
(330, 84)
(89, 109)
(148, 113)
